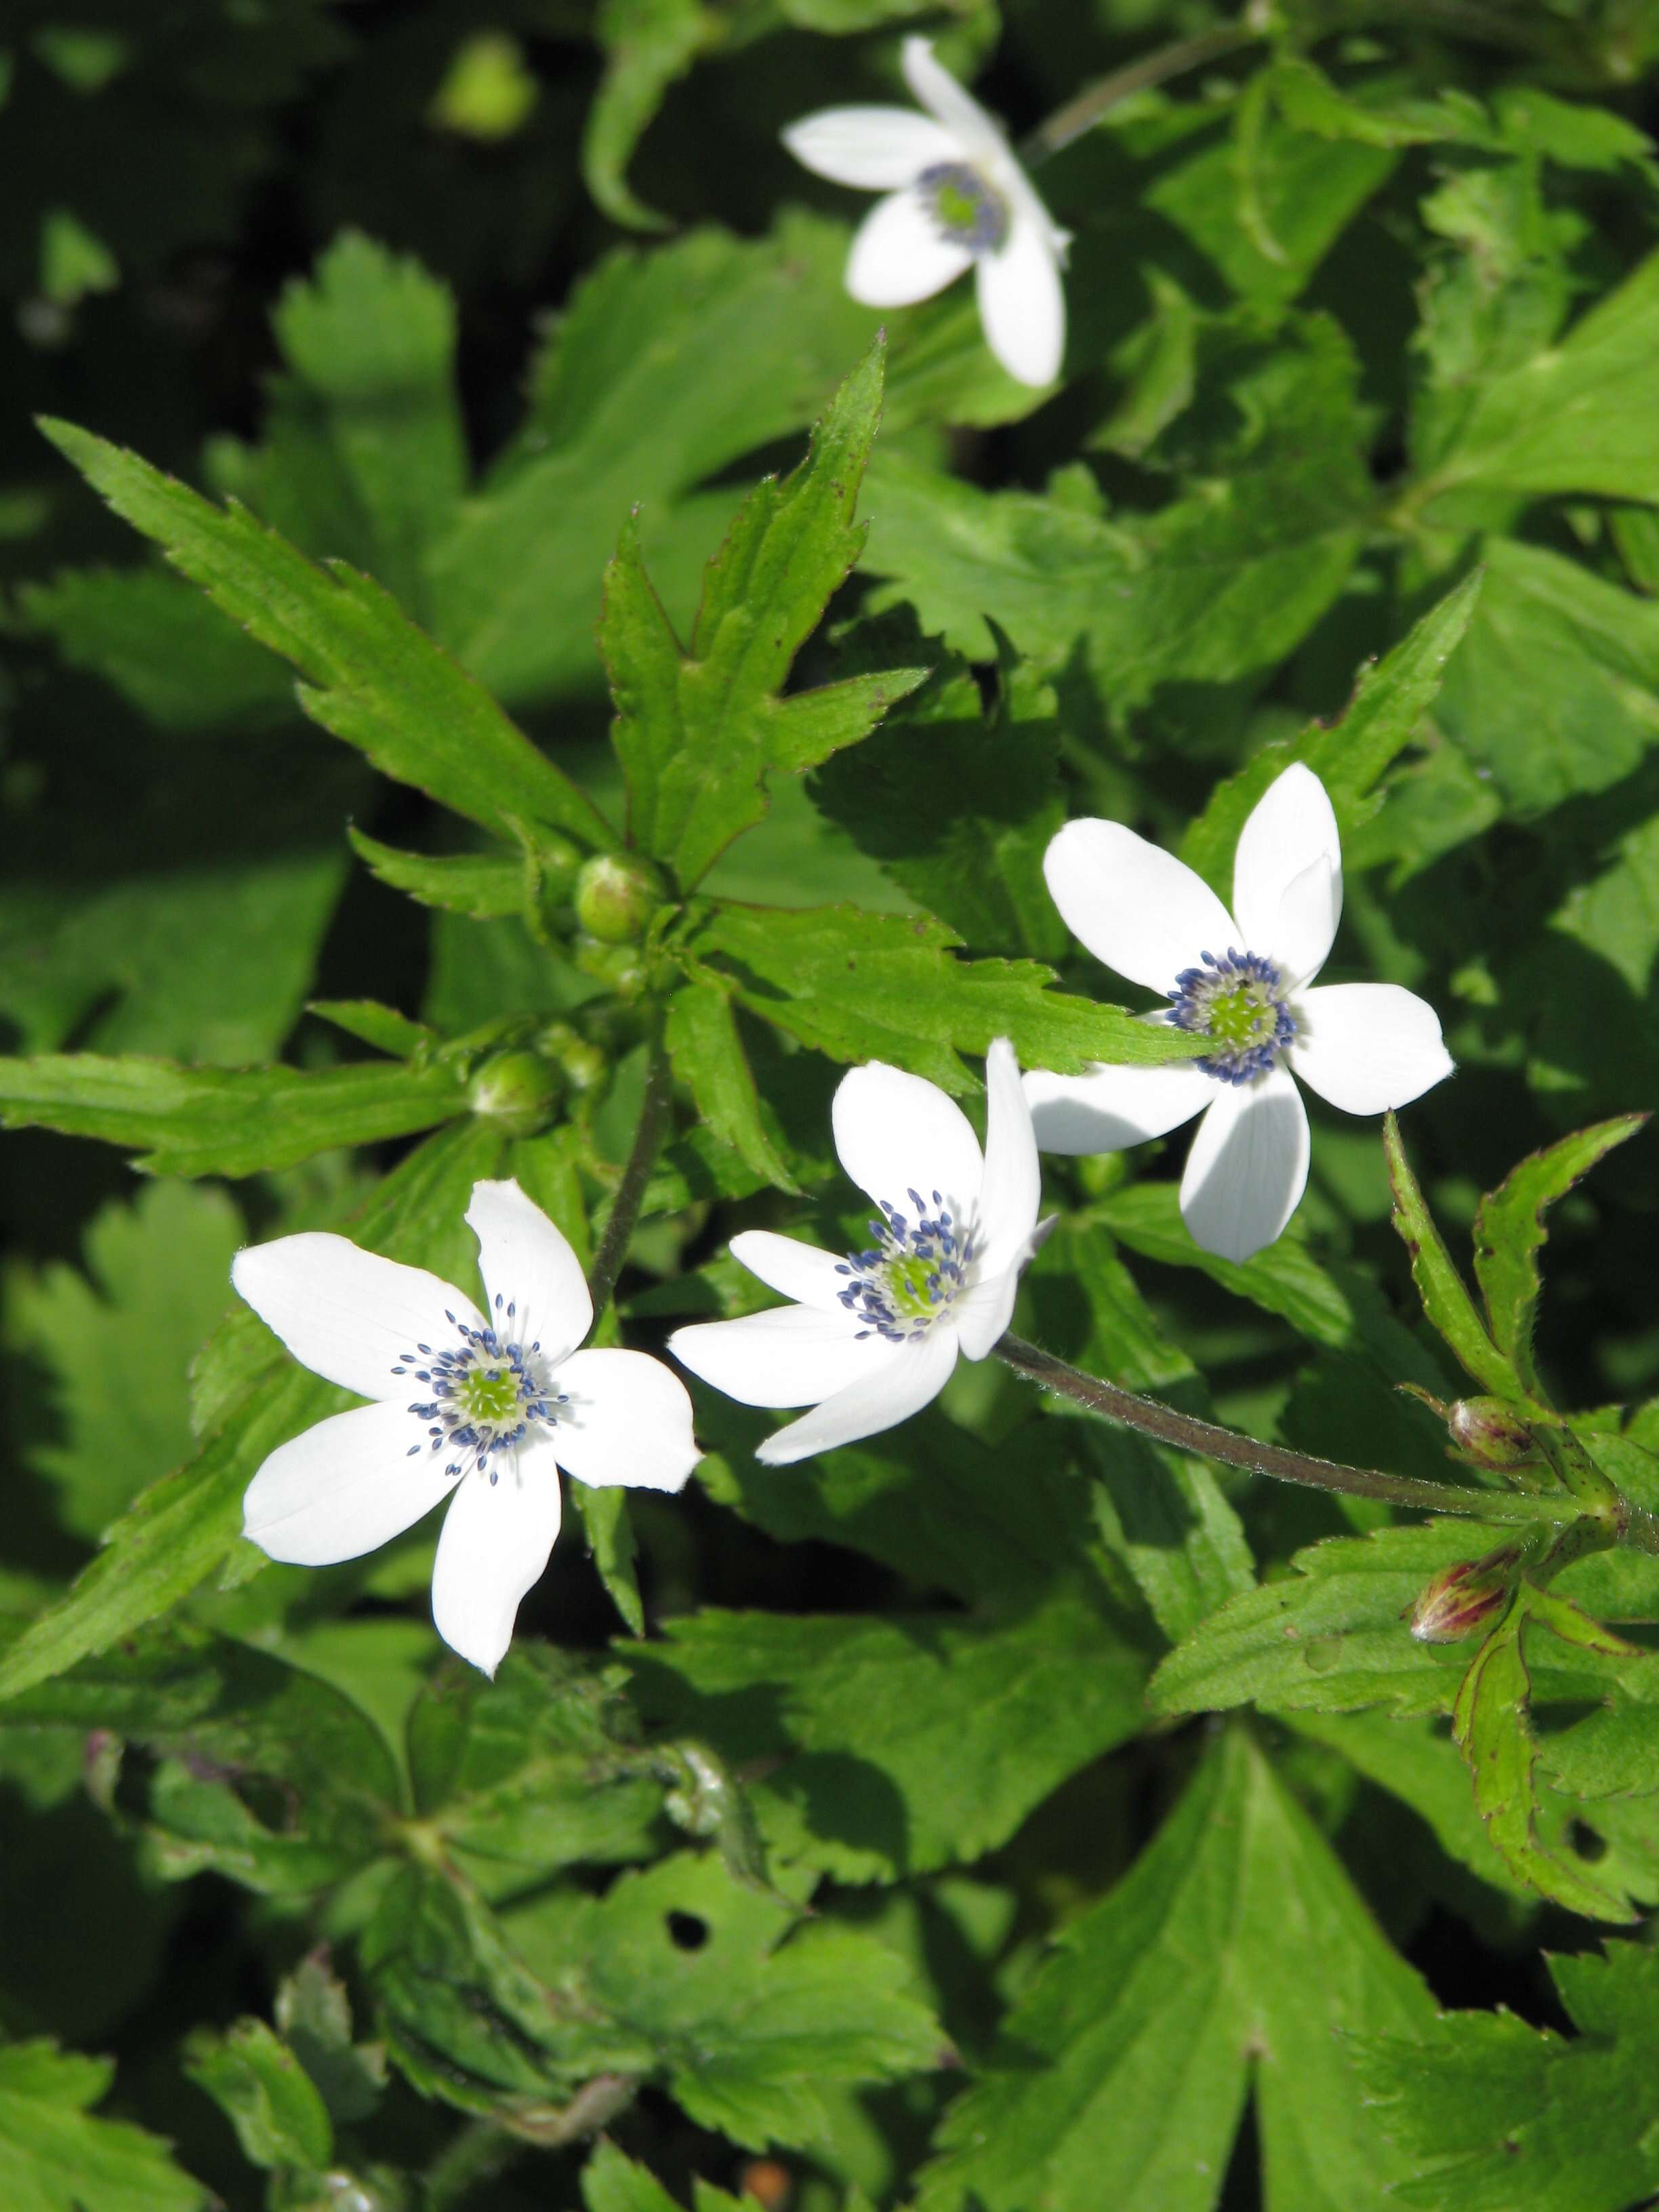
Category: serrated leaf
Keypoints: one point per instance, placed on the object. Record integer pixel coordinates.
(697, 730)
(1510, 1233)
(1493, 1729)
(483, 885)
(56, 2156)
(230, 1122)
(182, 1527)
(265, 2093)
(707, 1056)
(903, 1745)
(367, 673)
(1234, 1955)
(1497, 2115)
(1349, 755)
(859, 986)
(372, 1024)
(1445, 1296)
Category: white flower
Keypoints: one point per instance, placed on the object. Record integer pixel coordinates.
(1243, 982)
(483, 1412)
(873, 1337)
(956, 198)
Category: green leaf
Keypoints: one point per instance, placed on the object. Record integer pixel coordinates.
(1328, 1637)
(860, 986)
(232, 1121)
(708, 1059)
(1510, 1233)
(1570, 419)
(367, 673)
(382, 1027)
(56, 2157)
(364, 455)
(665, 368)
(483, 885)
(1498, 2114)
(892, 1747)
(118, 1341)
(1492, 1729)
(1556, 689)
(182, 1527)
(265, 2093)
(1349, 757)
(1235, 1953)
(313, 2017)
(648, 45)
(959, 803)
(1215, 587)
(696, 730)
(1445, 1296)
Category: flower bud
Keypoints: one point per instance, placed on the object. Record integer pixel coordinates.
(1491, 1434)
(1461, 1600)
(517, 1089)
(582, 1063)
(618, 966)
(616, 895)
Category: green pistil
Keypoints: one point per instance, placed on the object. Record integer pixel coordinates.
(906, 1283)
(1243, 1016)
(957, 210)
(489, 1394)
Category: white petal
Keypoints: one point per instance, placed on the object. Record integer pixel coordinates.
(1135, 907)
(896, 1134)
(1368, 1046)
(1111, 1107)
(800, 1270)
(910, 1376)
(1022, 304)
(792, 1356)
(981, 1315)
(1290, 827)
(528, 1265)
(628, 1420)
(1012, 1193)
(1300, 941)
(493, 1546)
(1248, 1166)
(344, 1487)
(974, 132)
(877, 149)
(348, 1314)
(898, 255)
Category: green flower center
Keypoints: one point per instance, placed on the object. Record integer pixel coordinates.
(967, 211)
(488, 1394)
(1246, 1015)
(906, 1283)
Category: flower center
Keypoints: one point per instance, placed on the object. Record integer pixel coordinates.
(1238, 1001)
(488, 1394)
(968, 209)
(913, 1273)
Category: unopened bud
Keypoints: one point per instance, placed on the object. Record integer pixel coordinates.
(616, 895)
(582, 1062)
(518, 1090)
(1461, 1600)
(618, 966)
(1491, 1434)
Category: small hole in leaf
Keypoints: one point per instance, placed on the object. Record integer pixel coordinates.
(686, 1932)
(1585, 1841)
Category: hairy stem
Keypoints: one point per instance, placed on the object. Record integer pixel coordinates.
(1083, 112)
(1190, 1434)
(624, 1213)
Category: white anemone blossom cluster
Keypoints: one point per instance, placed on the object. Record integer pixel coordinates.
(1245, 980)
(954, 198)
(479, 1408)
(873, 1335)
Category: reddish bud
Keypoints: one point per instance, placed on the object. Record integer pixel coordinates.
(1491, 1434)
(1461, 1600)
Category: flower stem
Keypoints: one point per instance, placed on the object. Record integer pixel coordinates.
(1190, 1434)
(624, 1213)
(1083, 112)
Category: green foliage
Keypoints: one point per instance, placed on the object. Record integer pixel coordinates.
(54, 2154)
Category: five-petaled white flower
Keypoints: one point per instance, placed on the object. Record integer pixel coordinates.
(956, 199)
(1245, 983)
(482, 1411)
(874, 1336)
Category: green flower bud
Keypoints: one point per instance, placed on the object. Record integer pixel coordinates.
(618, 966)
(1491, 1434)
(616, 895)
(519, 1090)
(1461, 1600)
(582, 1063)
